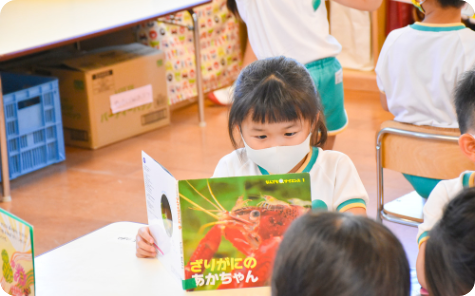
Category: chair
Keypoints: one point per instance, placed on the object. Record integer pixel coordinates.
(415, 150)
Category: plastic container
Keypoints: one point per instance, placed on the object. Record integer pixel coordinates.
(33, 122)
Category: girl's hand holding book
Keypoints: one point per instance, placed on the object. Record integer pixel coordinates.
(144, 244)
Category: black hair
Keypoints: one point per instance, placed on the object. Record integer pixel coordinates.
(451, 3)
(338, 254)
(450, 250)
(465, 101)
(232, 7)
(277, 89)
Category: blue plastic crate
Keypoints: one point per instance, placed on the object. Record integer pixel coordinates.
(33, 122)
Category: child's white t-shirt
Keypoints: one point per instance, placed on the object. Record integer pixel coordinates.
(418, 69)
(292, 28)
(442, 194)
(335, 183)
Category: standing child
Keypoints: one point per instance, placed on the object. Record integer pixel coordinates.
(419, 67)
(448, 189)
(277, 116)
(333, 254)
(299, 29)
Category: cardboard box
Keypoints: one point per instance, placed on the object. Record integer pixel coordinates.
(111, 94)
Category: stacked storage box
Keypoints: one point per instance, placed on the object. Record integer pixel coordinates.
(33, 122)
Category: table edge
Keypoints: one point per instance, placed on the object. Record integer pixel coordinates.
(17, 54)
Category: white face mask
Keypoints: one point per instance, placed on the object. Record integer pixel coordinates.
(280, 159)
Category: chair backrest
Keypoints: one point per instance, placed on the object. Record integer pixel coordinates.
(428, 158)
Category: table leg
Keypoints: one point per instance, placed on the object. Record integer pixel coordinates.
(199, 77)
(4, 152)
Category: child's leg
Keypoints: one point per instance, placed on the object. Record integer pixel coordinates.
(327, 75)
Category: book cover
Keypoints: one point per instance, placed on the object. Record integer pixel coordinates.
(232, 227)
(16, 247)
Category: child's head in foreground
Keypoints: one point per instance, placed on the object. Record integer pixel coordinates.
(275, 103)
(335, 254)
(465, 108)
(450, 251)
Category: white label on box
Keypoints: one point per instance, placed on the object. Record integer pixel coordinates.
(131, 98)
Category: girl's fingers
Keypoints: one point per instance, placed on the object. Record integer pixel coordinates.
(144, 247)
(142, 244)
(144, 254)
(144, 233)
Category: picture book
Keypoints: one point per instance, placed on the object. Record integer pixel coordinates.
(221, 233)
(16, 247)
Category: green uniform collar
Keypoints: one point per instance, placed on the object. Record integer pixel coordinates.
(437, 27)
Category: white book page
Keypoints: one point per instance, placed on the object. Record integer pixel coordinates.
(163, 211)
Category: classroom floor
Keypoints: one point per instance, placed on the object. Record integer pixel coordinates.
(94, 188)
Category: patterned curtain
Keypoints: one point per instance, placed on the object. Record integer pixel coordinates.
(221, 56)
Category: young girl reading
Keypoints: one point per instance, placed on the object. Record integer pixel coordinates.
(334, 254)
(277, 116)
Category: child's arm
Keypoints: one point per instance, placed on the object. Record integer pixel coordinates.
(384, 101)
(421, 274)
(365, 5)
(144, 244)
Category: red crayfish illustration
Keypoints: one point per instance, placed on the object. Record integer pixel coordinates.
(255, 231)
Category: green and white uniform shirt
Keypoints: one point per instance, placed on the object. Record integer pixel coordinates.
(296, 29)
(442, 194)
(335, 183)
(418, 69)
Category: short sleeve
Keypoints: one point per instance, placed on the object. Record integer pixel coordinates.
(382, 71)
(349, 191)
(433, 210)
(222, 169)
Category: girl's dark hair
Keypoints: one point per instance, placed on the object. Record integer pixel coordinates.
(450, 250)
(465, 101)
(232, 7)
(277, 89)
(337, 254)
(451, 3)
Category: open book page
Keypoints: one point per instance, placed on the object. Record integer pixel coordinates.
(163, 211)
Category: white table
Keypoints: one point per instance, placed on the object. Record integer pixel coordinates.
(104, 263)
(30, 26)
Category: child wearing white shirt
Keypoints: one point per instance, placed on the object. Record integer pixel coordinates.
(419, 67)
(446, 190)
(450, 250)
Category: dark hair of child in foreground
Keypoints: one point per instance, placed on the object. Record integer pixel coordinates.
(450, 250)
(335, 254)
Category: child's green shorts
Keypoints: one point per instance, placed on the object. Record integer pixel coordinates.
(327, 75)
(423, 186)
